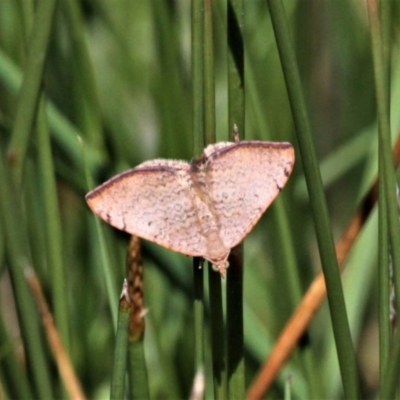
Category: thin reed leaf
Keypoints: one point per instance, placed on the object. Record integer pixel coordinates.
(104, 251)
(383, 229)
(33, 205)
(381, 60)
(235, 324)
(138, 377)
(26, 12)
(384, 280)
(197, 75)
(85, 92)
(171, 81)
(198, 307)
(52, 226)
(236, 84)
(218, 338)
(2, 248)
(214, 279)
(234, 284)
(197, 23)
(29, 95)
(391, 370)
(329, 263)
(121, 345)
(382, 96)
(209, 78)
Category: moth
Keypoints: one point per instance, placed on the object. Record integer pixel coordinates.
(200, 208)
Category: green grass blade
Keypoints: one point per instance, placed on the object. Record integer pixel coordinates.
(29, 95)
(139, 389)
(85, 91)
(384, 284)
(170, 80)
(383, 231)
(214, 279)
(26, 12)
(121, 345)
(235, 324)
(381, 60)
(391, 370)
(106, 263)
(198, 306)
(236, 88)
(234, 284)
(197, 75)
(198, 144)
(52, 226)
(209, 79)
(382, 96)
(2, 248)
(337, 306)
(217, 336)
(33, 204)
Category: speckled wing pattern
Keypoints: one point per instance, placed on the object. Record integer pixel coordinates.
(243, 179)
(202, 208)
(153, 201)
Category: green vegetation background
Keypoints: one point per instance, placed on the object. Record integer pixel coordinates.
(118, 75)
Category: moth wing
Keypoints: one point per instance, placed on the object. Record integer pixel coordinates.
(152, 201)
(243, 179)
